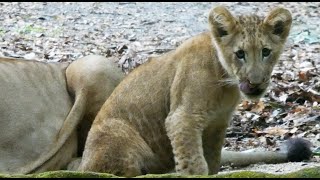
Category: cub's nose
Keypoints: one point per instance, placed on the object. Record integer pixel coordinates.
(252, 84)
(256, 83)
(255, 79)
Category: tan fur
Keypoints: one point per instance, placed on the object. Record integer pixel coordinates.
(95, 77)
(38, 114)
(173, 111)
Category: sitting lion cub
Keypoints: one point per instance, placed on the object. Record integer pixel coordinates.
(173, 111)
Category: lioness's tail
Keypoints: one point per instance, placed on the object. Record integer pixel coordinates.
(73, 119)
(294, 150)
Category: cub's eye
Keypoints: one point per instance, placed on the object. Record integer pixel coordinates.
(240, 54)
(265, 52)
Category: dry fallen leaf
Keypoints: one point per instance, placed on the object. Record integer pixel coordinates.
(258, 107)
(275, 131)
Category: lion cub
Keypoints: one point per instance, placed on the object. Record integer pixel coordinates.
(173, 111)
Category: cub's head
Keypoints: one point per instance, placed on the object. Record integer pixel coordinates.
(248, 47)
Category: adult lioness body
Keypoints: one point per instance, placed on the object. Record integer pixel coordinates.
(173, 111)
(41, 104)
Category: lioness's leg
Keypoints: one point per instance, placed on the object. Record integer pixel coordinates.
(213, 139)
(113, 146)
(74, 164)
(62, 157)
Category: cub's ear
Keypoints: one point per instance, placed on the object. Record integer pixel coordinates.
(221, 22)
(278, 22)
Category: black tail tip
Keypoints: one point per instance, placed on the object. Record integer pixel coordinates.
(298, 149)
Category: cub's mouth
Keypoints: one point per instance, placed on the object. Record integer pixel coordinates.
(251, 90)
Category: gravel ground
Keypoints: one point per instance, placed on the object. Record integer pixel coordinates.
(130, 32)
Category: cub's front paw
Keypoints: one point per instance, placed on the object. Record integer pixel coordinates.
(192, 166)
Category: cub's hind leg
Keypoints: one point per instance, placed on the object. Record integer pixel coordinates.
(113, 146)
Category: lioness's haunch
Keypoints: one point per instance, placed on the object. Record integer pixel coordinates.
(41, 104)
(173, 110)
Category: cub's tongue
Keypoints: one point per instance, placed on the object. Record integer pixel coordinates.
(247, 88)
